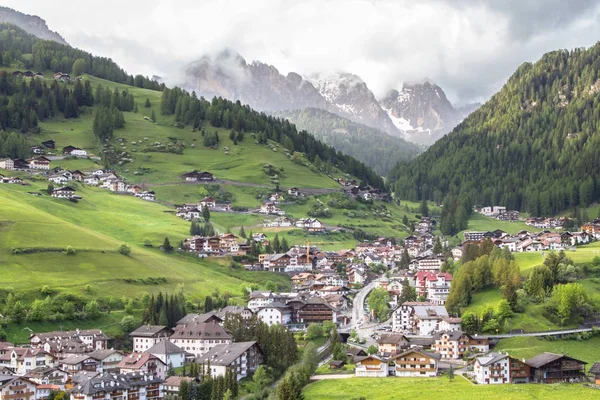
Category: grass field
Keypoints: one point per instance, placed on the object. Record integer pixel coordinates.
(243, 163)
(582, 254)
(382, 218)
(532, 320)
(431, 388)
(479, 222)
(96, 226)
(527, 347)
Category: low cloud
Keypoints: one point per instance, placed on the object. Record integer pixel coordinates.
(468, 47)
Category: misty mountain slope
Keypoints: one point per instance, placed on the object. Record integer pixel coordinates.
(422, 112)
(348, 96)
(534, 146)
(375, 148)
(31, 24)
(257, 84)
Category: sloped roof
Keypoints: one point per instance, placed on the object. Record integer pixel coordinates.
(166, 347)
(595, 368)
(148, 330)
(392, 338)
(490, 358)
(542, 359)
(225, 354)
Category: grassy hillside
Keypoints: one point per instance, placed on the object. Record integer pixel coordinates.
(243, 163)
(527, 347)
(428, 388)
(95, 227)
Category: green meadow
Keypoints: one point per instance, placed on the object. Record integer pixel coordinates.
(95, 227)
(430, 388)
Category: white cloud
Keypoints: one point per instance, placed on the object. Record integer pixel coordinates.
(468, 47)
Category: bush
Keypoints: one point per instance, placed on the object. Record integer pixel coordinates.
(124, 249)
(70, 251)
(45, 290)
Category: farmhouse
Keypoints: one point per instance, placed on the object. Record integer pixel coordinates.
(556, 368)
(197, 176)
(49, 144)
(40, 162)
(310, 224)
(271, 208)
(65, 192)
(414, 363)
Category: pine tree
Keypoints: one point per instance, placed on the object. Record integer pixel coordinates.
(437, 247)
(276, 244)
(242, 233)
(285, 247)
(135, 108)
(153, 116)
(147, 103)
(206, 214)
(167, 248)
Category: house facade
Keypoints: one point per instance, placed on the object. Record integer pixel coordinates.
(147, 336)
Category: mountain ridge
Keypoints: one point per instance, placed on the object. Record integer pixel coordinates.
(262, 86)
(31, 24)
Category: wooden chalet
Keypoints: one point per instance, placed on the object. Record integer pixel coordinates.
(556, 368)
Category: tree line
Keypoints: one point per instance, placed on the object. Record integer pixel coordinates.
(188, 109)
(164, 310)
(532, 147)
(19, 47)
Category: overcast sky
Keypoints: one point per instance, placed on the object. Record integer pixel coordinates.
(468, 47)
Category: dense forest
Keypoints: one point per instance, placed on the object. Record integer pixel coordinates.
(375, 148)
(190, 110)
(533, 146)
(17, 47)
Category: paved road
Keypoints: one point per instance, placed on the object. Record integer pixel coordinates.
(358, 305)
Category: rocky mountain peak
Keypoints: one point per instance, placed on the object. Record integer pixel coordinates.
(31, 24)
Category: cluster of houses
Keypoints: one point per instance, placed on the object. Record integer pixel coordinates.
(11, 179)
(19, 164)
(499, 212)
(525, 241)
(296, 310)
(27, 74)
(193, 211)
(398, 356)
(49, 145)
(547, 223)
(351, 187)
(219, 245)
(101, 178)
(308, 224)
(81, 364)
